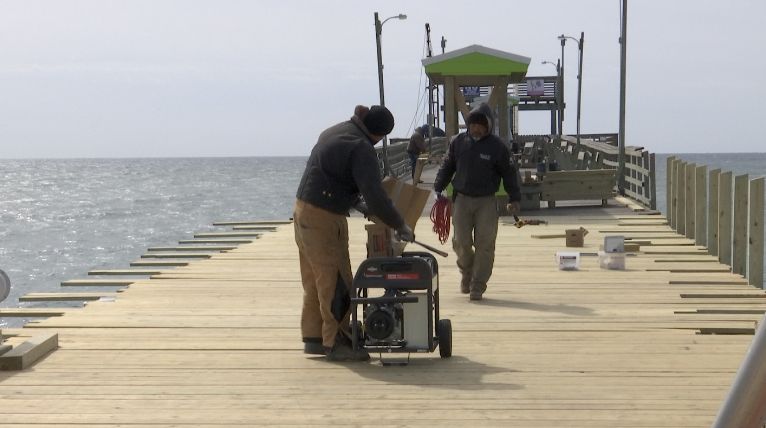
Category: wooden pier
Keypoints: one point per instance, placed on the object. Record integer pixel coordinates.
(216, 342)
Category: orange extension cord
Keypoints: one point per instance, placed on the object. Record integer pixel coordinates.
(440, 216)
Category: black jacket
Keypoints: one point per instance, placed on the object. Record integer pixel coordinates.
(478, 166)
(343, 165)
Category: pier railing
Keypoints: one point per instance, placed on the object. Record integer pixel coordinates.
(596, 151)
(399, 160)
(721, 212)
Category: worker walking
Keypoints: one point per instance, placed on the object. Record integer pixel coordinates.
(476, 162)
(416, 146)
(342, 167)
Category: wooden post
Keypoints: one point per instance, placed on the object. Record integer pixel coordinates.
(676, 190)
(700, 209)
(450, 108)
(652, 183)
(690, 202)
(725, 214)
(681, 198)
(712, 213)
(739, 240)
(669, 192)
(755, 251)
(501, 87)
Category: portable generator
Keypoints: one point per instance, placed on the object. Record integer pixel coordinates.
(399, 299)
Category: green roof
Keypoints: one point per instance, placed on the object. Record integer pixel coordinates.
(476, 64)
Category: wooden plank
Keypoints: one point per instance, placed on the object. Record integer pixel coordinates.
(255, 227)
(97, 282)
(756, 233)
(25, 355)
(194, 248)
(226, 235)
(739, 231)
(52, 297)
(725, 216)
(179, 255)
(125, 272)
(32, 312)
(216, 241)
(163, 263)
(252, 222)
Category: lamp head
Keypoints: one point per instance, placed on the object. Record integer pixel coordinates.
(402, 16)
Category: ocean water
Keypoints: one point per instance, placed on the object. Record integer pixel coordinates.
(753, 164)
(61, 218)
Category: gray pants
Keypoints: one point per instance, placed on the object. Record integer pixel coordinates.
(474, 221)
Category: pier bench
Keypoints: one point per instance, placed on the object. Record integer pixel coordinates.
(594, 184)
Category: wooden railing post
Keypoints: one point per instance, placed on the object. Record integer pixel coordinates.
(690, 205)
(712, 213)
(726, 210)
(755, 240)
(670, 191)
(652, 183)
(739, 241)
(700, 209)
(681, 198)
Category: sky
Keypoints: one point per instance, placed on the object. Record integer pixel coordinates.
(191, 78)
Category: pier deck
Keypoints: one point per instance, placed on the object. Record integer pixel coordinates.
(216, 342)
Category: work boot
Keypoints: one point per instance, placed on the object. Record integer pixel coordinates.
(475, 295)
(344, 352)
(465, 284)
(313, 346)
(477, 290)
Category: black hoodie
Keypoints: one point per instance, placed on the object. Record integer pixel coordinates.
(478, 165)
(342, 165)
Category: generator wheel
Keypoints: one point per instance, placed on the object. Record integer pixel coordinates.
(444, 333)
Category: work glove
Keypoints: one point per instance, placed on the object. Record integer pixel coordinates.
(405, 233)
(514, 207)
(438, 195)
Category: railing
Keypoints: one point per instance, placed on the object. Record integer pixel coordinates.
(721, 212)
(399, 160)
(596, 151)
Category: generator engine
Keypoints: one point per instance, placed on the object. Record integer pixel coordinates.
(384, 322)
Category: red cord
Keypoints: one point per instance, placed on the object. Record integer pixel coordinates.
(440, 216)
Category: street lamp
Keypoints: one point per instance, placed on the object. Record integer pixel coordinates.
(378, 32)
(580, 44)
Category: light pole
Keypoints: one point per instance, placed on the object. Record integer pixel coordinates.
(580, 43)
(559, 97)
(378, 32)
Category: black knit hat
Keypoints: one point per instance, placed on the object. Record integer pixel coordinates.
(379, 121)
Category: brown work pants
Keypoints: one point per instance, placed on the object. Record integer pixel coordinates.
(322, 239)
(474, 220)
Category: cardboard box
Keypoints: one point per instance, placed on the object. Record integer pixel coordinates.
(575, 237)
(410, 201)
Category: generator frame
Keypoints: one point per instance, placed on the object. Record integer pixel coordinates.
(404, 273)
